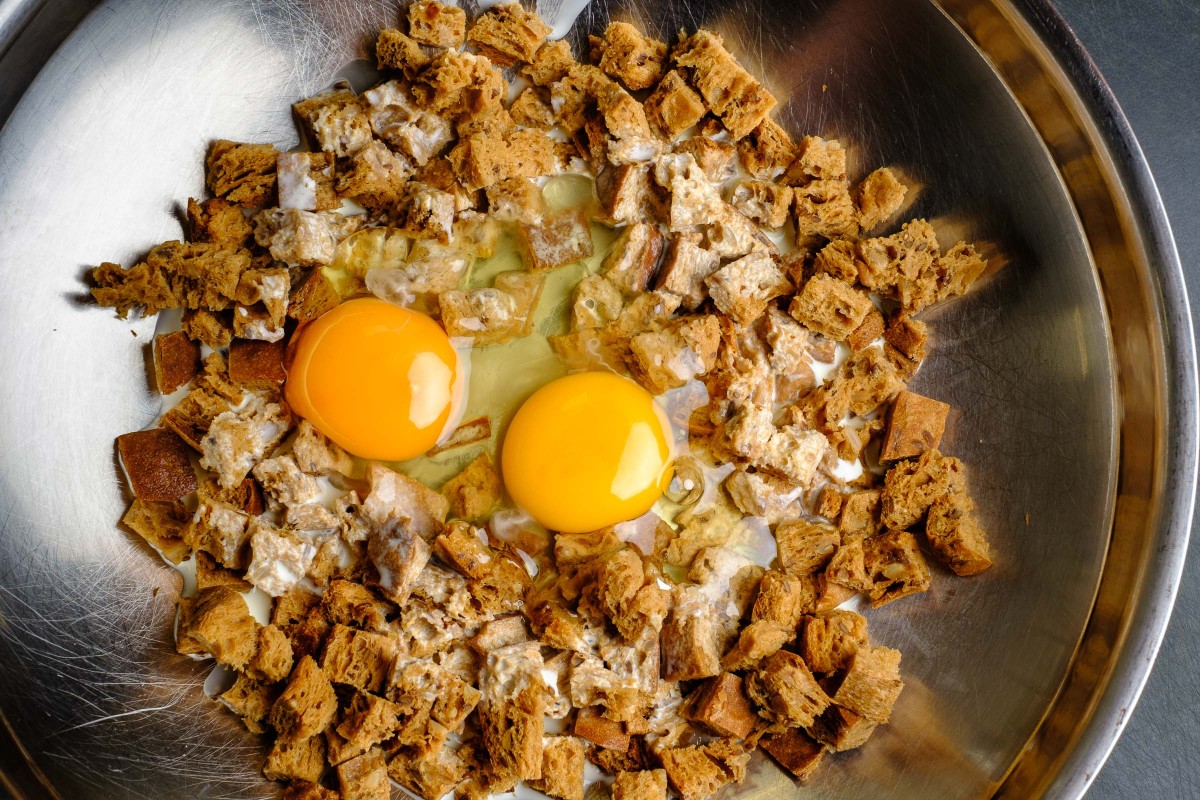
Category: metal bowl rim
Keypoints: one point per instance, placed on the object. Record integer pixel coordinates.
(1163, 570)
(1162, 574)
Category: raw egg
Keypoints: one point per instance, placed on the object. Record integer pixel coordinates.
(380, 380)
(586, 451)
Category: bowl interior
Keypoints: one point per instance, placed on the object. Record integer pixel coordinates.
(108, 143)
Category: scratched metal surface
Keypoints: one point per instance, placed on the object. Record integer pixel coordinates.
(108, 141)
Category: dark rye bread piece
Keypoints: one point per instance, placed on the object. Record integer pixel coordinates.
(158, 464)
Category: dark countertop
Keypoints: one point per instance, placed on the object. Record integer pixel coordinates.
(1149, 51)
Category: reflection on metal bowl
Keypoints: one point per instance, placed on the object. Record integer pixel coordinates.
(1071, 372)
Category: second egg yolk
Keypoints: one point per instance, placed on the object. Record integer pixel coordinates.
(380, 380)
(587, 451)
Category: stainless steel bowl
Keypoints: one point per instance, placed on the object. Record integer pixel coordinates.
(1071, 371)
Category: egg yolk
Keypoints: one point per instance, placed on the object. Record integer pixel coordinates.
(380, 380)
(586, 451)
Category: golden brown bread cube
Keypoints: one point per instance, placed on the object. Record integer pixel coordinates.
(795, 751)
(600, 730)
(864, 382)
(956, 537)
(692, 773)
(691, 645)
(627, 54)
(551, 62)
(348, 603)
(829, 503)
(764, 202)
(368, 720)
(305, 181)
(336, 120)
(910, 267)
(307, 706)
(743, 288)
(865, 334)
(316, 454)
(142, 286)
(500, 632)
(375, 177)
(559, 239)
(358, 658)
(732, 93)
(272, 662)
(556, 626)
(158, 464)
(161, 524)
(450, 699)
(193, 415)
(830, 640)
(210, 572)
(673, 106)
(251, 700)
(462, 550)
(910, 487)
(848, 568)
(669, 358)
(805, 547)
(894, 566)
(915, 425)
(493, 315)
(839, 259)
(625, 192)
(784, 599)
(296, 760)
(396, 50)
(511, 721)
(307, 790)
(218, 622)
(685, 267)
(634, 257)
(459, 85)
(596, 303)
(176, 361)
(257, 365)
(840, 729)
(437, 24)
(879, 197)
(562, 768)
(757, 640)
(312, 297)
(767, 151)
(202, 275)
(516, 200)
(217, 220)
(785, 691)
(479, 161)
(908, 336)
(872, 683)
(716, 159)
(531, 110)
(574, 97)
(825, 208)
(508, 34)
(817, 159)
(648, 784)
(241, 173)
(429, 773)
(860, 513)
(365, 777)
(214, 329)
(721, 705)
